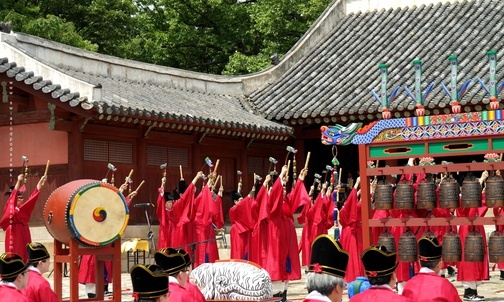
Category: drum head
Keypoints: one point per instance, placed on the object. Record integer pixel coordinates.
(98, 214)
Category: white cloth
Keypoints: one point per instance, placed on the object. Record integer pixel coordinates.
(426, 270)
(172, 279)
(315, 295)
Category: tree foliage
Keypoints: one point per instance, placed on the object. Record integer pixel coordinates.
(211, 36)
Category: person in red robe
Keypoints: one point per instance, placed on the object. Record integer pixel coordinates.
(14, 274)
(242, 224)
(351, 233)
(183, 213)
(379, 266)
(206, 246)
(306, 219)
(149, 283)
(38, 288)
(16, 216)
(290, 203)
(164, 205)
(326, 271)
(260, 231)
(174, 264)
(472, 273)
(428, 285)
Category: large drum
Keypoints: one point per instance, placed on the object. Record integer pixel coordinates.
(91, 212)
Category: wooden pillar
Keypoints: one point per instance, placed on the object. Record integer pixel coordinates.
(75, 152)
(365, 197)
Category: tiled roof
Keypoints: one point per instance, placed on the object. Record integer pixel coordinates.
(334, 80)
(110, 97)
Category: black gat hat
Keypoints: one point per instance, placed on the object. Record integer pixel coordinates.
(328, 257)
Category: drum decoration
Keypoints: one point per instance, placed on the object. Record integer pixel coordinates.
(473, 247)
(452, 247)
(91, 212)
(407, 247)
(494, 191)
(449, 194)
(496, 246)
(471, 193)
(405, 196)
(426, 194)
(383, 195)
(387, 240)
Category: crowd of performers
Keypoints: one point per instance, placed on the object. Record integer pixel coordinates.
(263, 231)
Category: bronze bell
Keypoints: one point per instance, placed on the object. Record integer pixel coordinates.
(471, 193)
(426, 194)
(474, 250)
(452, 247)
(383, 196)
(448, 194)
(496, 247)
(494, 191)
(405, 196)
(407, 247)
(387, 240)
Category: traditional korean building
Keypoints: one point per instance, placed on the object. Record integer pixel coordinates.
(82, 110)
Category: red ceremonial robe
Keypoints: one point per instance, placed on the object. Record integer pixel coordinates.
(351, 235)
(183, 215)
(38, 288)
(206, 250)
(179, 293)
(15, 223)
(165, 225)
(272, 233)
(9, 292)
(473, 271)
(319, 226)
(379, 294)
(195, 291)
(87, 270)
(428, 287)
(290, 252)
(306, 218)
(499, 211)
(242, 224)
(260, 231)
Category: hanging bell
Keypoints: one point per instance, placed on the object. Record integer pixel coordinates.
(496, 247)
(387, 240)
(473, 247)
(494, 191)
(448, 194)
(383, 195)
(452, 247)
(404, 196)
(471, 193)
(426, 194)
(407, 247)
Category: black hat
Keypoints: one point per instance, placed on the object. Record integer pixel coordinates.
(11, 265)
(147, 284)
(186, 256)
(167, 196)
(429, 249)
(9, 192)
(328, 257)
(235, 195)
(170, 260)
(378, 262)
(36, 252)
(182, 186)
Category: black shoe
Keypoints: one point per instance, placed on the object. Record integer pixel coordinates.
(502, 275)
(477, 297)
(451, 272)
(108, 294)
(469, 294)
(91, 296)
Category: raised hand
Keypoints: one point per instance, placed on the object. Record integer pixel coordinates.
(41, 182)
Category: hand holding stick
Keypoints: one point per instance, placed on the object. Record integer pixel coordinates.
(128, 178)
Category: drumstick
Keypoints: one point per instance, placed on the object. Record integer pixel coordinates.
(181, 175)
(307, 160)
(129, 177)
(138, 188)
(47, 167)
(216, 166)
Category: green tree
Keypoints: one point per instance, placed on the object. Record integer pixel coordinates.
(211, 36)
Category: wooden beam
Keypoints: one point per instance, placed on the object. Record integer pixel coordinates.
(29, 117)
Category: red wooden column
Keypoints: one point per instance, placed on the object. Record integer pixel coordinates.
(365, 197)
